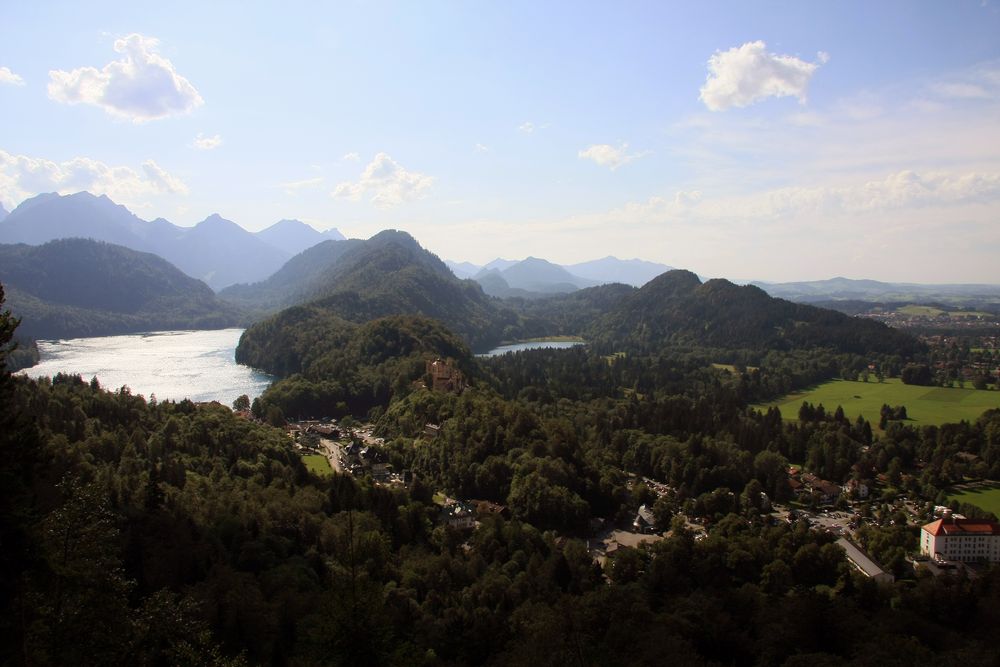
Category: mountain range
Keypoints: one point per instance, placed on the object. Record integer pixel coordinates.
(533, 277)
(79, 287)
(287, 263)
(216, 250)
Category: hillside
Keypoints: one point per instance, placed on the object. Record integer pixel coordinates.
(389, 274)
(330, 366)
(678, 307)
(79, 287)
(302, 278)
(568, 314)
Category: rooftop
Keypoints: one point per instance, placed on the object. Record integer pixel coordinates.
(962, 527)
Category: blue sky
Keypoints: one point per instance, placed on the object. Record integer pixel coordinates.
(770, 140)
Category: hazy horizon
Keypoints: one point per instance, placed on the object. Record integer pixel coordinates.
(790, 142)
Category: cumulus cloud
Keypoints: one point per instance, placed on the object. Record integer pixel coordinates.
(610, 156)
(351, 157)
(481, 148)
(747, 74)
(141, 86)
(387, 182)
(6, 76)
(204, 143)
(22, 176)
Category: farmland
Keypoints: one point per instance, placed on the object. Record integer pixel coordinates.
(924, 405)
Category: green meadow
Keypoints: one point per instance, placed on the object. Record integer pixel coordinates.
(985, 496)
(317, 464)
(924, 405)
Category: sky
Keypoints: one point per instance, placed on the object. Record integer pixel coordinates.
(749, 140)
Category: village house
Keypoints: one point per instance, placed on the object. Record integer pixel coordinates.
(458, 515)
(485, 508)
(964, 540)
(644, 522)
(857, 489)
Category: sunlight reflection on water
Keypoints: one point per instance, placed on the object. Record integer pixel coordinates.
(174, 365)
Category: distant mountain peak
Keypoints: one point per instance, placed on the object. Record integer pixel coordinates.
(290, 223)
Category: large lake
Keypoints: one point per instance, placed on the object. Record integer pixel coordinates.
(532, 345)
(174, 365)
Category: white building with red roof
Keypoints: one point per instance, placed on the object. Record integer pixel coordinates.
(965, 540)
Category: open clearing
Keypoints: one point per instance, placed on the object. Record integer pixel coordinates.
(924, 405)
(985, 496)
(317, 464)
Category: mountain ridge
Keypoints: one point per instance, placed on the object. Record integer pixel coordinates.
(70, 288)
(215, 250)
(678, 307)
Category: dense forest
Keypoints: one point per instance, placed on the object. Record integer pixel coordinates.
(79, 287)
(198, 536)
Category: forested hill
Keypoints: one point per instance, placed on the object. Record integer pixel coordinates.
(78, 287)
(389, 274)
(301, 278)
(678, 307)
(329, 366)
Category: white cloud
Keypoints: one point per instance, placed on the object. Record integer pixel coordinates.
(22, 176)
(6, 76)
(610, 156)
(900, 191)
(747, 74)
(351, 157)
(161, 181)
(140, 87)
(293, 187)
(388, 183)
(959, 90)
(527, 127)
(482, 149)
(204, 143)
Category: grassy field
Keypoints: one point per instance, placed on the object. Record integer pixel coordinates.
(931, 311)
(985, 496)
(924, 405)
(317, 465)
(927, 311)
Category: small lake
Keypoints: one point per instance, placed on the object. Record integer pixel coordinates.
(174, 365)
(532, 345)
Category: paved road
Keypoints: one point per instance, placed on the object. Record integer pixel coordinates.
(332, 451)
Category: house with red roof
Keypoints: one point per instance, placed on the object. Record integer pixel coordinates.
(964, 540)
